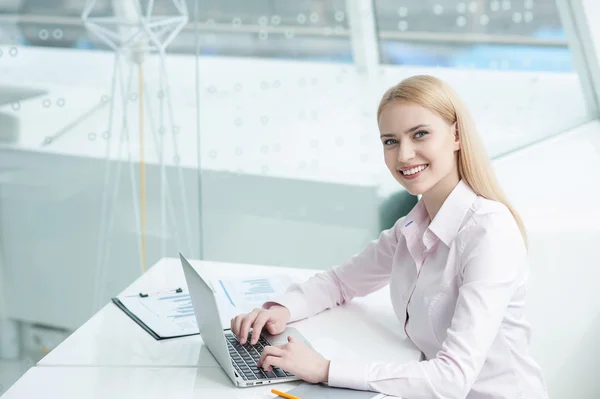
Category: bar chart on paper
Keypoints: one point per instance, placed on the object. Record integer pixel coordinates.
(168, 315)
(180, 305)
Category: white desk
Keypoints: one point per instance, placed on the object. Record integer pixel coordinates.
(111, 338)
(112, 357)
(132, 383)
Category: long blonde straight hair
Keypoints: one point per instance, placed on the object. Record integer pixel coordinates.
(474, 166)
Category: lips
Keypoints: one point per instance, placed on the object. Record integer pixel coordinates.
(415, 175)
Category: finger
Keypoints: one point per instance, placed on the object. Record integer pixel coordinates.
(291, 339)
(273, 361)
(269, 351)
(238, 324)
(246, 324)
(273, 327)
(235, 324)
(259, 323)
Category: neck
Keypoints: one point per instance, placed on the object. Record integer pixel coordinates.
(435, 197)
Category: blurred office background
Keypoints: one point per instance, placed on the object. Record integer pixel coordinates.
(258, 144)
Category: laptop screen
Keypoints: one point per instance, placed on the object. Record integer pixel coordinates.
(207, 316)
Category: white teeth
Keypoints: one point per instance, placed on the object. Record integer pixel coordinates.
(413, 170)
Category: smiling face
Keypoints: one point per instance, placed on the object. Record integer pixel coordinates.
(419, 146)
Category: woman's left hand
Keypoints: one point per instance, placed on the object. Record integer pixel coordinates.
(296, 358)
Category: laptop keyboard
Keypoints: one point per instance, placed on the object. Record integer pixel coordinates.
(244, 358)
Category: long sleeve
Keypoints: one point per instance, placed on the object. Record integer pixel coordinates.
(492, 259)
(362, 274)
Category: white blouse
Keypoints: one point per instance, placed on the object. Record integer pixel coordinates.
(458, 285)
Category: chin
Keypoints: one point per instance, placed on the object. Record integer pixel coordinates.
(414, 192)
(415, 188)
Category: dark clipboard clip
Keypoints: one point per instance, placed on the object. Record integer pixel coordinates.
(145, 295)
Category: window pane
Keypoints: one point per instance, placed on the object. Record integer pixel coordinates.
(489, 34)
(303, 30)
(308, 29)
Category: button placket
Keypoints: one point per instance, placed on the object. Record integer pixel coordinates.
(428, 240)
(412, 290)
(415, 248)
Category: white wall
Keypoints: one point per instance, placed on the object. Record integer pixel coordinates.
(556, 187)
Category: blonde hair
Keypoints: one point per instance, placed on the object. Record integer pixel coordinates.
(474, 166)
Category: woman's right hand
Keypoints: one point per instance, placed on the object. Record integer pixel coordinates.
(273, 319)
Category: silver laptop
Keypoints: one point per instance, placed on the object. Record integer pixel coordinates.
(238, 361)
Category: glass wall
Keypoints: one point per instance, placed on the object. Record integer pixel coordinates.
(489, 34)
(235, 131)
(304, 30)
(99, 157)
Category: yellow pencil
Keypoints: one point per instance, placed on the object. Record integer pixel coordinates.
(283, 394)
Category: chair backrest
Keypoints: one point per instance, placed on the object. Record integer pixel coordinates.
(394, 207)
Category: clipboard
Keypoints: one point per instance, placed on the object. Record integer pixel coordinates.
(164, 315)
(174, 317)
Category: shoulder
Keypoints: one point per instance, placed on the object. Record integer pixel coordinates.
(490, 223)
(396, 228)
(491, 246)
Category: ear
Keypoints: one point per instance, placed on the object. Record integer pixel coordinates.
(456, 136)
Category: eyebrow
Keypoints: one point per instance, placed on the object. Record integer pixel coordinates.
(412, 129)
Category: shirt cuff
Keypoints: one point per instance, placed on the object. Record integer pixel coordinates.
(348, 374)
(295, 302)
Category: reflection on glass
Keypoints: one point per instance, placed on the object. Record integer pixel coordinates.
(488, 34)
(307, 30)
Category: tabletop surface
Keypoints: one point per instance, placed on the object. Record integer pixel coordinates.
(133, 383)
(111, 338)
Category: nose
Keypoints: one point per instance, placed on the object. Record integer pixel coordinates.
(406, 152)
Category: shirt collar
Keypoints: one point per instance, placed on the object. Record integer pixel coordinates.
(415, 219)
(449, 218)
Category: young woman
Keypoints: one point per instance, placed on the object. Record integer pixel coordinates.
(456, 265)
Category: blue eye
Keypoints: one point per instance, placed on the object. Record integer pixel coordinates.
(422, 133)
(388, 142)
